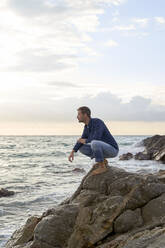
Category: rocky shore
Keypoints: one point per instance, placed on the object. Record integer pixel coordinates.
(115, 209)
(154, 150)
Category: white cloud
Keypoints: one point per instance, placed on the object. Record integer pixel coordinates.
(160, 19)
(114, 2)
(138, 34)
(143, 22)
(111, 43)
(62, 84)
(105, 104)
(53, 36)
(46, 35)
(123, 27)
(41, 60)
(115, 15)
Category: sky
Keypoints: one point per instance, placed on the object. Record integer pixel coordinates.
(58, 55)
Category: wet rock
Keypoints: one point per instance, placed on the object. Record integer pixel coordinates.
(155, 147)
(78, 170)
(5, 192)
(126, 156)
(142, 156)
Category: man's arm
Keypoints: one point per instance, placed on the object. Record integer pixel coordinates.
(78, 144)
(98, 131)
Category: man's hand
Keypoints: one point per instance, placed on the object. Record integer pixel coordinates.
(81, 140)
(71, 156)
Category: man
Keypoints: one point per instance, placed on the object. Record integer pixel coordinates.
(96, 141)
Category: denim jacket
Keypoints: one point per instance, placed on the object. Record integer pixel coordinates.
(96, 130)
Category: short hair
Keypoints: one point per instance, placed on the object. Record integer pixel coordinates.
(84, 110)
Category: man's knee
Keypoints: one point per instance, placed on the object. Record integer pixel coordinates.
(112, 154)
(95, 144)
(85, 150)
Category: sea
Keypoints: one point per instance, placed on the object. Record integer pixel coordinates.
(37, 169)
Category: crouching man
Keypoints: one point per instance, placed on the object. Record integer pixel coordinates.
(96, 141)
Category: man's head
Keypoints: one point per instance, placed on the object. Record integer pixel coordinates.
(84, 113)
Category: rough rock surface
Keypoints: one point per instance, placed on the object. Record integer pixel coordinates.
(115, 209)
(154, 150)
(155, 147)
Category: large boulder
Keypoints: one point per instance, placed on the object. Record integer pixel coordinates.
(116, 209)
(155, 146)
(25, 234)
(154, 149)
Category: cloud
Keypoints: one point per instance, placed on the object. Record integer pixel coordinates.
(63, 84)
(37, 60)
(104, 105)
(111, 43)
(35, 8)
(138, 34)
(143, 22)
(123, 27)
(115, 15)
(42, 7)
(160, 19)
(46, 35)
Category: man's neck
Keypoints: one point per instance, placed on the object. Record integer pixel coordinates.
(87, 121)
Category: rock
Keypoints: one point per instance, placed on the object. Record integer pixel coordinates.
(154, 209)
(128, 220)
(160, 175)
(155, 147)
(150, 237)
(151, 141)
(24, 234)
(59, 226)
(160, 155)
(78, 170)
(142, 156)
(126, 156)
(154, 150)
(116, 209)
(5, 192)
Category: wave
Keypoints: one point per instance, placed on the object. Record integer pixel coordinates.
(27, 154)
(7, 146)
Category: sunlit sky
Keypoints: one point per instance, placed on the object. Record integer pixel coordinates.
(58, 55)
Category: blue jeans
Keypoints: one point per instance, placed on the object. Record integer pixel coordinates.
(99, 150)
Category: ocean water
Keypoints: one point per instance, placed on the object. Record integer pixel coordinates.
(38, 170)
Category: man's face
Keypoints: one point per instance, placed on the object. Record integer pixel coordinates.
(80, 116)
